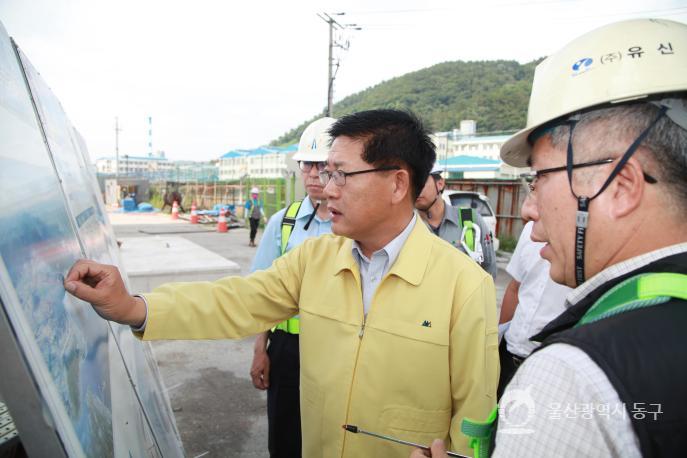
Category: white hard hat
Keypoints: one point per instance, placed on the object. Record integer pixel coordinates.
(437, 169)
(315, 141)
(617, 63)
(254, 190)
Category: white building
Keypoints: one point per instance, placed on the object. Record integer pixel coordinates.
(466, 142)
(131, 165)
(263, 162)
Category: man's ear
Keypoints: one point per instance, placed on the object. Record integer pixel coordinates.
(401, 186)
(441, 184)
(627, 189)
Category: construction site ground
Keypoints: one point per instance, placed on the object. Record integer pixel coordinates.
(218, 412)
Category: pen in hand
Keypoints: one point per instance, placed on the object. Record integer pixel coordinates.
(356, 430)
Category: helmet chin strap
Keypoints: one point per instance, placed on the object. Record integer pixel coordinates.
(429, 215)
(582, 219)
(318, 202)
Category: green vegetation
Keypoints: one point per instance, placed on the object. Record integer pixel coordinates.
(493, 93)
(507, 244)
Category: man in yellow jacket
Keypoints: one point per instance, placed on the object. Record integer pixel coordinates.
(381, 308)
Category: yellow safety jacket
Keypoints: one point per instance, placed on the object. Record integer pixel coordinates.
(424, 358)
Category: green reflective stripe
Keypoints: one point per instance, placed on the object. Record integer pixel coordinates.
(480, 433)
(470, 235)
(467, 218)
(664, 284)
(287, 223)
(292, 325)
(637, 292)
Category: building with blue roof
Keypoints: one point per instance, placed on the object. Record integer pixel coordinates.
(470, 167)
(476, 156)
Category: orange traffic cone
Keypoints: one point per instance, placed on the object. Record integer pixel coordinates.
(194, 214)
(175, 210)
(222, 221)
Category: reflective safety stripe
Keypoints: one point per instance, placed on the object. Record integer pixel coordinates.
(480, 433)
(287, 223)
(467, 218)
(637, 292)
(292, 326)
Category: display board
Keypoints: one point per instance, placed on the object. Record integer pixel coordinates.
(101, 392)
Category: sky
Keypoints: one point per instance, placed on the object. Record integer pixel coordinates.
(216, 75)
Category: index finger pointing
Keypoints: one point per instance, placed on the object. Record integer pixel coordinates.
(81, 269)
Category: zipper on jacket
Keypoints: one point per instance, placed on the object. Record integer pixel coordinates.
(355, 370)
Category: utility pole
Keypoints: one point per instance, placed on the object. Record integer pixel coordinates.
(331, 73)
(117, 131)
(150, 136)
(330, 65)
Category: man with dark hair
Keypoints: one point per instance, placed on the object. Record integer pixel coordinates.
(378, 307)
(391, 138)
(463, 228)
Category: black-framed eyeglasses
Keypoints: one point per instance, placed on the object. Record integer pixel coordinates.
(529, 179)
(339, 176)
(306, 166)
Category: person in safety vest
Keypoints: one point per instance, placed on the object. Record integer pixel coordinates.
(381, 304)
(276, 366)
(254, 212)
(606, 138)
(464, 228)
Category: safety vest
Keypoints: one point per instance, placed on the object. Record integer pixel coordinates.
(640, 291)
(291, 325)
(251, 202)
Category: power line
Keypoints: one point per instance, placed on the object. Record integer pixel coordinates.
(495, 5)
(518, 4)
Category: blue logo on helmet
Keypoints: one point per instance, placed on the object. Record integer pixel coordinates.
(582, 65)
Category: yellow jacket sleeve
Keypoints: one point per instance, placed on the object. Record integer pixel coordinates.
(232, 307)
(473, 358)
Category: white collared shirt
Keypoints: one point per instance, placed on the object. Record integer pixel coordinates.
(540, 299)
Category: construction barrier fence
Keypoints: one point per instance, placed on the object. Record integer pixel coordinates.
(206, 195)
(506, 197)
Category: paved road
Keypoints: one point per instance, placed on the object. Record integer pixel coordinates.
(218, 412)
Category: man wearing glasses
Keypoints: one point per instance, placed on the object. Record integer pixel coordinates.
(381, 304)
(276, 368)
(607, 143)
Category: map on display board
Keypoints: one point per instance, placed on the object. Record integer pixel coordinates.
(100, 386)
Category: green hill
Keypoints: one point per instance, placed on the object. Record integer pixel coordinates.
(493, 93)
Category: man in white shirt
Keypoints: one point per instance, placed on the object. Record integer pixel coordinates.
(530, 302)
